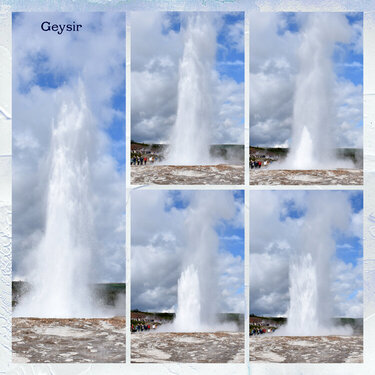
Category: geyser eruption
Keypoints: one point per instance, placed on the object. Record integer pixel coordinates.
(303, 317)
(311, 302)
(190, 137)
(188, 316)
(59, 266)
(312, 144)
(198, 284)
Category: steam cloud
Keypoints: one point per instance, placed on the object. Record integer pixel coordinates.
(312, 145)
(190, 137)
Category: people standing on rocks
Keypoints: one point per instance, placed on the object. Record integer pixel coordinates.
(142, 160)
(257, 164)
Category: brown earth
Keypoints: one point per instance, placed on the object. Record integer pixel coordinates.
(221, 174)
(306, 349)
(100, 340)
(267, 176)
(195, 347)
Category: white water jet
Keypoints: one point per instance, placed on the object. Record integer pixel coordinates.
(310, 310)
(59, 267)
(191, 134)
(314, 118)
(198, 292)
(303, 317)
(188, 315)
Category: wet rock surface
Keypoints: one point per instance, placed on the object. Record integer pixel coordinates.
(306, 177)
(306, 349)
(68, 340)
(214, 347)
(221, 174)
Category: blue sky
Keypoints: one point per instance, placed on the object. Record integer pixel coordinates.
(231, 237)
(229, 60)
(348, 61)
(349, 248)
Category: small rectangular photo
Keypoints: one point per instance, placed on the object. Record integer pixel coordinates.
(306, 99)
(187, 111)
(306, 276)
(68, 282)
(187, 272)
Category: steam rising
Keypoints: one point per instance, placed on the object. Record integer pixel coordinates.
(313, 145)
(190, 137)
(59, 267)
(311, 302)
(198, 290)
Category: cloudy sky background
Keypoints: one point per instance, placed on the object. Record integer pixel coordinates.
(46, 69)
(157, 47)
(274, 238)
(274, 42)
(160, 246)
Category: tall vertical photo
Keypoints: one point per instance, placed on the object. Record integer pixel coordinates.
(68, 284)
(187, 84)
(187, 268)
(306, 99)
(306, 276)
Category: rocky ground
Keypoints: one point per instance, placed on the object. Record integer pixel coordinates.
(267, 176)
(306, 349)
(68, 340)
(214, 347)
(221, 174)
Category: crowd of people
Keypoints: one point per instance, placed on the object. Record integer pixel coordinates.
(142, 327)
(255, 164)
(258, 164)
(142, 160)
(261, 331)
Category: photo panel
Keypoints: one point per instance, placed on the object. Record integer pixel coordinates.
(187, 84)
(68, 282)
(306, 276)
(187, 276)
(306, 98)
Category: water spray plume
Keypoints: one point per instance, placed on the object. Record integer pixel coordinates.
(311, 309)
(198, 291)
(59, 266)
(190, 137)
(312, 144)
